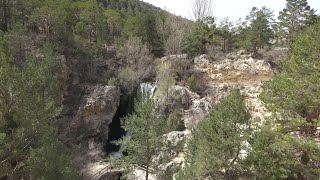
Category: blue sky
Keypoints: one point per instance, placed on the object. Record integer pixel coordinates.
(234, 9)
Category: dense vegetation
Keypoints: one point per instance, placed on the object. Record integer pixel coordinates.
(40, 40)
(219, 136)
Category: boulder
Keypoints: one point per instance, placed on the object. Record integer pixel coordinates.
(179, 98)
(197, 112)
(96, 111)
(176, 137)
(90, 128)
(202, 60)
(173, 57)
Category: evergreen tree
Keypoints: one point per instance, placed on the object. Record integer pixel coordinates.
(30, 101)
(5, 16)
(225, 35)
(115, 23)
(295, 90)
(293, 95)
(260, 33)
(242, 35)
(196, 42)
(143, 25)
(91, 26)
(214, 149)
(274, 155)
(145, 140)
(166, 81)
(295, 16)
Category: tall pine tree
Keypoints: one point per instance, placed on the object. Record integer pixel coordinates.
(295, 16)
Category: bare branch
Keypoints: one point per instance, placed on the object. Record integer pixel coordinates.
(202, 9)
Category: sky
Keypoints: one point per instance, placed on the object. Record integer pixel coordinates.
(233, 9)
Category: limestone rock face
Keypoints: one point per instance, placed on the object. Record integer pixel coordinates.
(202, 60)
(197, 112)
(240, 70)
(175, 137)
(173, 57)
(90, 126)
(237, 55)
(179, 98)
(96, 111)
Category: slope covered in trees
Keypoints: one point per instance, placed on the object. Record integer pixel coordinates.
(51, 49)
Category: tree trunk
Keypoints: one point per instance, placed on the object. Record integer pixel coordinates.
(90, 35)
(5, 8)
(148, 159)
(147, 172)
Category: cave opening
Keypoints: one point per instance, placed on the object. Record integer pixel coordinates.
(116, 132)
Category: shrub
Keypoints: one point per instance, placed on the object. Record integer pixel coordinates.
(192, 83)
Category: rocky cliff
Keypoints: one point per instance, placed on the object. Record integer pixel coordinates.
(98, 105)
(239, 70)
(89, 128)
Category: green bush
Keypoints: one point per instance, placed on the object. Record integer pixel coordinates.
(192, 83)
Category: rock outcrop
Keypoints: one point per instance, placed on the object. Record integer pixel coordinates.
(90, 127)
(178, 99)
(96, 112)
(239, 70)
(202, 60)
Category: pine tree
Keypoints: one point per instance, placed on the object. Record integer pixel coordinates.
(260, 32)
(295, 90)
(274, 155)
(213, 151)
(225, 35)
(195, 42)
(295, 16)
(30, 101)
(90, 25)
(145, 140)
(293, 95)
(166, 81)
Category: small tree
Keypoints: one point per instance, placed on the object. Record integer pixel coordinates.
(143, 25)
(145, 142)
(225, 34)
(90, 26)
(172, 31)
(295, 90)
(115, 23)
(192, 83)
(214, 148)
(260, 32)
(196, 41)
(165, 79)
(136, 60)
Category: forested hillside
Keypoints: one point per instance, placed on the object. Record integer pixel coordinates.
(98, 89)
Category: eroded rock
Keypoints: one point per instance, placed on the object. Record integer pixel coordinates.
(177, 99)
(202, 60)
(90, 127)
(96, 111)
